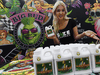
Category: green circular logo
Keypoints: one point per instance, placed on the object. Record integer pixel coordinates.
(59, 56)
(97, 51)
(78, 53)
(38, 59)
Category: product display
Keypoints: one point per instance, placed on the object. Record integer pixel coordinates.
(82, 60)
(72, 59)
(43, 62)
(63, 61)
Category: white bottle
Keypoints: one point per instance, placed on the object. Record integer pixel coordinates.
(95, 54)
(43, 62)
(82, 60)
(63, 61)
(49, 31)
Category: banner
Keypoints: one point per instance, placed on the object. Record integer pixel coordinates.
(26, 25)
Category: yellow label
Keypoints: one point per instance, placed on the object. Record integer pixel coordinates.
(59, 56)
(78, 53)
(38, 59)
(97, 51)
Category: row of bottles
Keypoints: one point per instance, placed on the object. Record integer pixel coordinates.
(72, 59)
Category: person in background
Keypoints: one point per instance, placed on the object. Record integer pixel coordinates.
(3, 35)
(40, 6)
(65, 28)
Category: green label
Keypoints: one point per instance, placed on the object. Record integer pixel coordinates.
(97, 60)
(82, 64)
(49, 31)
(64, 67)
(44, 69)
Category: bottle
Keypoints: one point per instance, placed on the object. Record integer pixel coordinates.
(49, 31)
(63, 61)
(82, 60)
(43, 62)
(36, 58)
(95, 55)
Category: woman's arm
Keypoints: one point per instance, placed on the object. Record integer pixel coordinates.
(28, 3)
(56, 40)
(88, 33)
(76, 35)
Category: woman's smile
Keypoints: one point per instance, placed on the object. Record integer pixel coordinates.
(60, 16)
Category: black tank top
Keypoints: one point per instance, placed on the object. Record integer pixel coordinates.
(66, 35)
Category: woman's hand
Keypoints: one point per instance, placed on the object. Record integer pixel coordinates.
(51, 37)
(54, 38)
(91, 34)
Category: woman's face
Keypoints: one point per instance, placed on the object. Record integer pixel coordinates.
(60, 12)
(37, 4)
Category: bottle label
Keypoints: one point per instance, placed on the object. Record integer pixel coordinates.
(44, 68)
(49, 31)
(97, 60)
(64, 66)
(82, 64)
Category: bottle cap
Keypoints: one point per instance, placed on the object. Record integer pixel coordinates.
(46, 27)
(51, 47)
(37, 52)
(46, 48)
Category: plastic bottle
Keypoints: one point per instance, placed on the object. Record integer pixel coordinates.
(95, 55)
(43, 62)
(49, 31)
(36, 58)
(82, 60)
(63, 61)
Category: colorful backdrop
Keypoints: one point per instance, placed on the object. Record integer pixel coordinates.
(86, 13)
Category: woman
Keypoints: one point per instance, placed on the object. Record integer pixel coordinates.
(3, 35)
(65, 28)
(40, 6)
